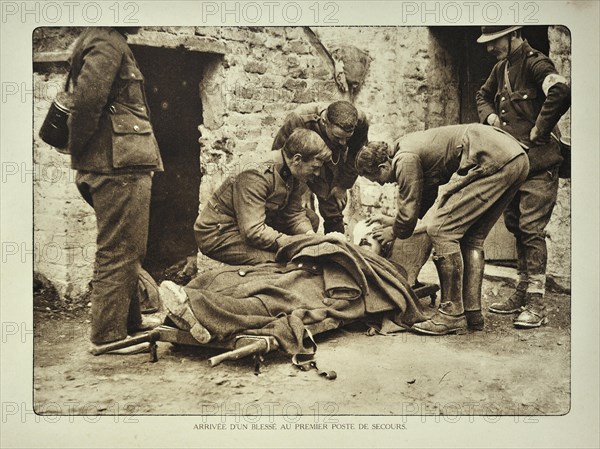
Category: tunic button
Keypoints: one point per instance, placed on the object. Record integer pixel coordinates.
(503, 98)
(525, 97)
(133, 75)
(503, 123)
(242, 273)
(503, 111)
(300, 265)
(136, 128)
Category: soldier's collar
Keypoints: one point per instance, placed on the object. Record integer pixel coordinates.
(517, 53)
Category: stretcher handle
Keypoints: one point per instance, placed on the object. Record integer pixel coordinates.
(258, 345)
(151, 336)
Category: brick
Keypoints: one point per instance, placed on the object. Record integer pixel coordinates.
(297, 46)
(256, 67)
(293, 84)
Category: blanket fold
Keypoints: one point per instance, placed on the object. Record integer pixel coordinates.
(317, 283)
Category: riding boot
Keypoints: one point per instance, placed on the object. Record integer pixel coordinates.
(450, 317)
(474, 263)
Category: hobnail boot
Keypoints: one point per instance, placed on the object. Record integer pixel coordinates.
(514, 302)
(533, 313)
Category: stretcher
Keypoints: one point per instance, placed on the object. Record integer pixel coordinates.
(239, 346)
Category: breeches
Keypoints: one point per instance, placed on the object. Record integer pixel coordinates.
(468, 215)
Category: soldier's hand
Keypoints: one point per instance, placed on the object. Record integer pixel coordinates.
(380, 218)
(384, 235)
(493, 120)
(341, 197)
(536, 137)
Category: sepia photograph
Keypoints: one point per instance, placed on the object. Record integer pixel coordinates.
(321, 227)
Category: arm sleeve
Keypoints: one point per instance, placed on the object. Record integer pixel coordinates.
(101, 62)
(558, 95)
(485, 97)
(348, 175)
(409, 176)
(292, 121)
(250, 191)
(294, 214)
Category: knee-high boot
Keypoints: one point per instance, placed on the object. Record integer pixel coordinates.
(449, 317)
(474, 263)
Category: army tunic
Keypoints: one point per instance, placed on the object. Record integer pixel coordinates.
(539, 97)
(247, 216)
(109, 125)
(477, 170)
(340, 172)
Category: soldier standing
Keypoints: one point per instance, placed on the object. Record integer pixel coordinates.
(525, 96)
(114, 151)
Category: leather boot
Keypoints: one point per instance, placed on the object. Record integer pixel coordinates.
(514, 302)
(533, 313)
(450, 317)
(474, 263)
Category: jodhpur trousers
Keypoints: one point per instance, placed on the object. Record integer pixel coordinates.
(122, 206)
(468, 215)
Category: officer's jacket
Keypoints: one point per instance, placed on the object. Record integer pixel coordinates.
(262, 195)
(422, 161)
(109, 126)
(343, 173)
(539, 97)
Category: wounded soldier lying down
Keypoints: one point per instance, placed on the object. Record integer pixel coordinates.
(316, 283)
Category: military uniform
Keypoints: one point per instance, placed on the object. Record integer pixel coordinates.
(340, 172)
(250, 214)
(114, 151)
(535, 95)
(475, 171)
(477, 167)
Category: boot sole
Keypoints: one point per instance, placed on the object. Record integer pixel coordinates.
(504, 312)
(459, 331)
(525, 325)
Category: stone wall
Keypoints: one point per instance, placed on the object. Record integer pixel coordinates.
(263, 73)
(64, 224)
(559, 228)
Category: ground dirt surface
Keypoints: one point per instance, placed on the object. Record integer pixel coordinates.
(499, 371)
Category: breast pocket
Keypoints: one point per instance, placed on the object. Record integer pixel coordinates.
(525, 99)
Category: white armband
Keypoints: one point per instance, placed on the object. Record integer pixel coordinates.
(551, 80)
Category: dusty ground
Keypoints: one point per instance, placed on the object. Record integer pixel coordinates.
(501, 370)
